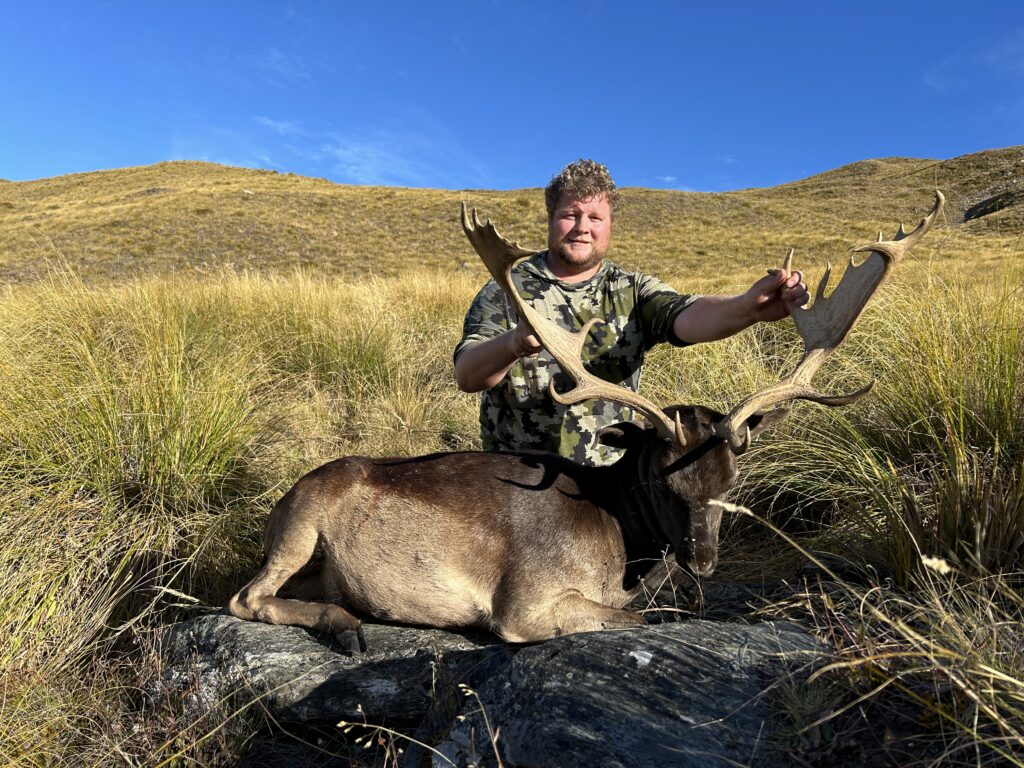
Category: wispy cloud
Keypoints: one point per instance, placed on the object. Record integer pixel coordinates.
(671, 182)
(948, 75)
(280, 68)
(1006, 57)
(410, 150)
(374, 161)
(386, 158)
(1001, 58)
(86, 158)
(220, 145)
(281, 127)
(427, 155)
(729, 159)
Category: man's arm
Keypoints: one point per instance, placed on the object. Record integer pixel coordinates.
(710, 318)
(485, 363)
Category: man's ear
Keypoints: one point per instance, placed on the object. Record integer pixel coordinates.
(625, 434)
(762, 420)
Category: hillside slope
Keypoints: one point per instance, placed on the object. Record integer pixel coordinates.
(199, 218)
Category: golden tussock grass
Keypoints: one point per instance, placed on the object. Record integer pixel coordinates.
(154, 403)
(147, 428)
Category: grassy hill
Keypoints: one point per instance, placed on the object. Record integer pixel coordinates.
(196, 218)
(147, 426)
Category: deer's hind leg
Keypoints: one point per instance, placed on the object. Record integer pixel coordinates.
(289, 553)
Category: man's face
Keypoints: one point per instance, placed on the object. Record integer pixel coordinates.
(580, 231)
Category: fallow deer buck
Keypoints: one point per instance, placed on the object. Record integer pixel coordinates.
(530, 545)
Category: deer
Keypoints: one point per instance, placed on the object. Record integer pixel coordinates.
(530, 545)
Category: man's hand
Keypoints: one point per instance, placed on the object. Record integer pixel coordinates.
(484, 364)
(776, 295)
(771, 298)
(524, 343)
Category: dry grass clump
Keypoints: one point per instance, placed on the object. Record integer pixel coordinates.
(930, 462)
(913, 502)
(928, 675)
(145, 430)
(925, 473)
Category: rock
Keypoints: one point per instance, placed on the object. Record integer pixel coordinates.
(994, 204)
(684, 694)
(303, 677)
(689, 693)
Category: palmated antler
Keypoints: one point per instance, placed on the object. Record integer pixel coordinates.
(825, 324)
(499, 256)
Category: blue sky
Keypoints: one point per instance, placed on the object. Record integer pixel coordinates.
(683, 95)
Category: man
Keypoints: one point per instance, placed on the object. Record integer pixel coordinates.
(570, 283)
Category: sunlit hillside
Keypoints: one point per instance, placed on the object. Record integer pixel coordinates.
(197, 218)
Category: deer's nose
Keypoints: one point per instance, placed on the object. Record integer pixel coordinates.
(701, 568)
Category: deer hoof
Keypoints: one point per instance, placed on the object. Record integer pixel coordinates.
(352, 640)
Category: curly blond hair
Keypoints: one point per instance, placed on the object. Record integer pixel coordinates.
(583, 180)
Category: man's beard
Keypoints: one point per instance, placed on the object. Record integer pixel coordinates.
(580, 262)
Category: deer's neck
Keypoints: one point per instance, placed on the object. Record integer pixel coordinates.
(638, 498)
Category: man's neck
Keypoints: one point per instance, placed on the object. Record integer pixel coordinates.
(568, 273)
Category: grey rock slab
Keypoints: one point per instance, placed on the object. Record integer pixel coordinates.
(692, 693)
(302, 677)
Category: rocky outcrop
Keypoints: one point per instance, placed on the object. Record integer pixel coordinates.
(685, 694)
(304, 677)
(995, 204)
(677, 694)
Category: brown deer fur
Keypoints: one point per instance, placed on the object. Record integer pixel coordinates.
(529, 545)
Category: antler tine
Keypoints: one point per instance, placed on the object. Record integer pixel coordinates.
(499, 256)
(825, 324)
(903, 241)
(497, 253)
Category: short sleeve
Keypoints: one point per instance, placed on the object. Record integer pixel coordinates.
(486, 318)
(659, 306)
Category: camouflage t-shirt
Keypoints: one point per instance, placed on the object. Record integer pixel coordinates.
(518, 413)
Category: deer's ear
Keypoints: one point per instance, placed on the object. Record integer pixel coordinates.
(623, 435)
